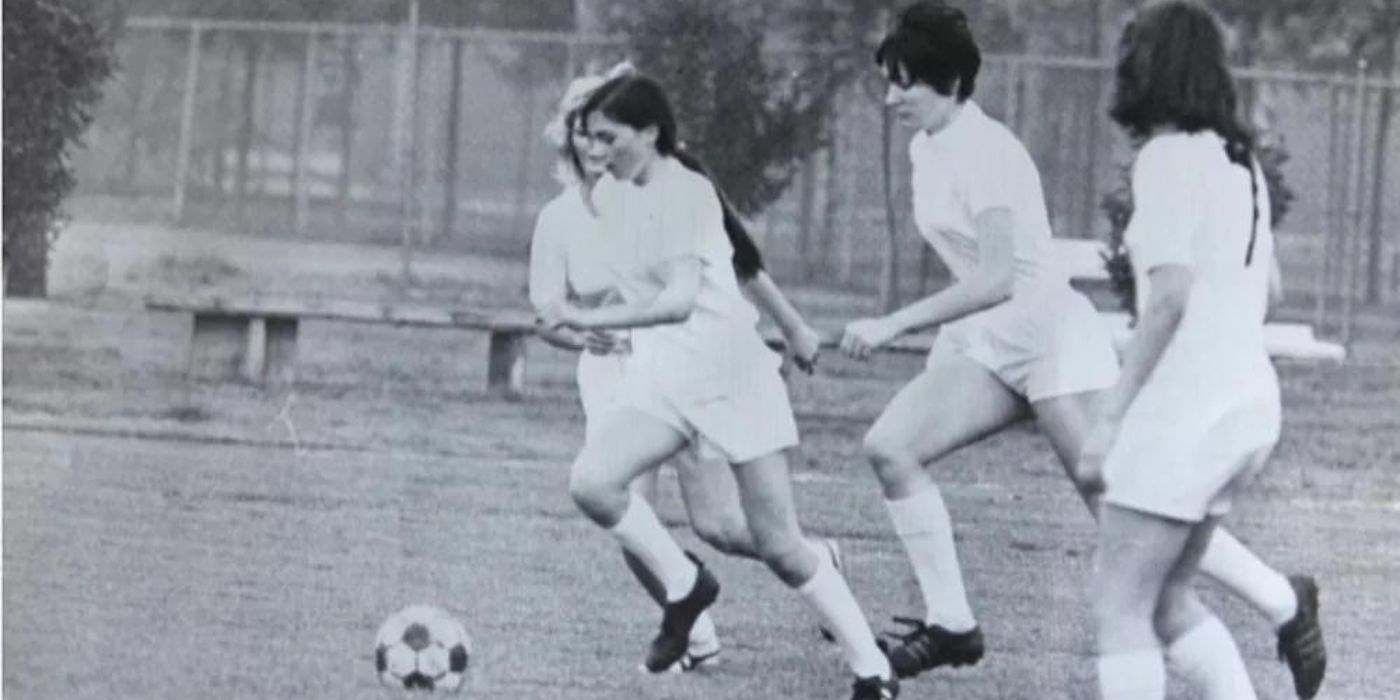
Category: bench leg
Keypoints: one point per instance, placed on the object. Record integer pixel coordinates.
(280, 355)
(218, 347)
(505, 369)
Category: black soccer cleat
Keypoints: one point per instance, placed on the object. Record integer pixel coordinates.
(927, 647)
(874, 688)
(1300, 640)
(672, 642)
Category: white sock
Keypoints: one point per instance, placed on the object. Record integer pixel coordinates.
(1228, 561)
(1133, 675)
(641, 533)
(923, 525)
(1208, 658)
(828, 593)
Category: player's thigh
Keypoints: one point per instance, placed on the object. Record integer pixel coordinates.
(629, 443)
(954, 402)
(765, 492)
(1066, 420)
(1136, 555)
(1180, 609)
(710, 491)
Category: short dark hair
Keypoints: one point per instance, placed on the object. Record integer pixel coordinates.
(932, 44)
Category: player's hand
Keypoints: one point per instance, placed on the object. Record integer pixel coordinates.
(601, 342)
(804, 347)
(559, 315)
(1088, 471)
(866, 336)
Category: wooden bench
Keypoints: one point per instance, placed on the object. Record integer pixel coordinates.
(255, 338)
(1084, 261)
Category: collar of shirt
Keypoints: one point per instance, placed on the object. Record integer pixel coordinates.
(969, 116)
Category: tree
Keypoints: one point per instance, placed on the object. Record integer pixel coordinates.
(58, 53)
(748, 109)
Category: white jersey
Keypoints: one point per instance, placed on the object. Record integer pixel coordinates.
(677, 214)
(970, 166)
(565, 253)
(1193, 207)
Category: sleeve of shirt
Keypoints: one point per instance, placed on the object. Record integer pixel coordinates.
(1166, 208)
(549, 275)
(693, 225)
(995, 178)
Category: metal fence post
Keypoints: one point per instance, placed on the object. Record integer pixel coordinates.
(182, 153)
(1353, 232)
(304, 127)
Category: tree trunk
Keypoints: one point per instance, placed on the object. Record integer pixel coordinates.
(889, 270)
(831, 205)
(27, 258)
(252, 50)
(807, 201)
(454, 117)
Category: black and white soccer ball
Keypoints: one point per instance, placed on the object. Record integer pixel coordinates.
(422, 648)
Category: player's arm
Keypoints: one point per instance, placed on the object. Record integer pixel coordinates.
(549, 282)
(803, 341)
(673, 304)
(990, 285)
(1169, 288)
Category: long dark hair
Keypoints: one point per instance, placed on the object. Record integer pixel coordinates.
(640, 102)
(1172, 73)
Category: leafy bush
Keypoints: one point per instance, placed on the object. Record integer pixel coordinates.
(57, 54)
(750, 116)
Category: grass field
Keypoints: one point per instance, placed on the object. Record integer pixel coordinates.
(168, 540)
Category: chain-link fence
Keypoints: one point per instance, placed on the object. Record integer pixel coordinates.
(360, 133)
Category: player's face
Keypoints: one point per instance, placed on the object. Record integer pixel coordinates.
(625, 150)
(594, 161)
(918, 106)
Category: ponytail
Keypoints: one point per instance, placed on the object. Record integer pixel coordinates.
(748, 260)
(1239, 148)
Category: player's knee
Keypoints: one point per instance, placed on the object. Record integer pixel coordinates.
(785, 554)
(727, 535)
(600, 500)
(1178, 612)
(890, 456)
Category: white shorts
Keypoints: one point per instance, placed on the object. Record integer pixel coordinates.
(600, 388)
(1188, 462)
(736, 419)
(1043, 342)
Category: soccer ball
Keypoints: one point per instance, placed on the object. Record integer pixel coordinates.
(422, 648)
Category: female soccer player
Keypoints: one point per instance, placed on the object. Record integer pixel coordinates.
(699, 373)
(563, 265)
(1195, 412)
(1015, 339)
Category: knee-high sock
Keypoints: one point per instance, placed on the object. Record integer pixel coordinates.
(1133, 675)
(923, 525)
(641, 533)
(1228, 561)
(828, 592)
(1208, 658)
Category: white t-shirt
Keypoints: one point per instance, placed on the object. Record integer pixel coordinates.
(676, 215)
(1193, 207)
(970, 166)
(566, 254)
